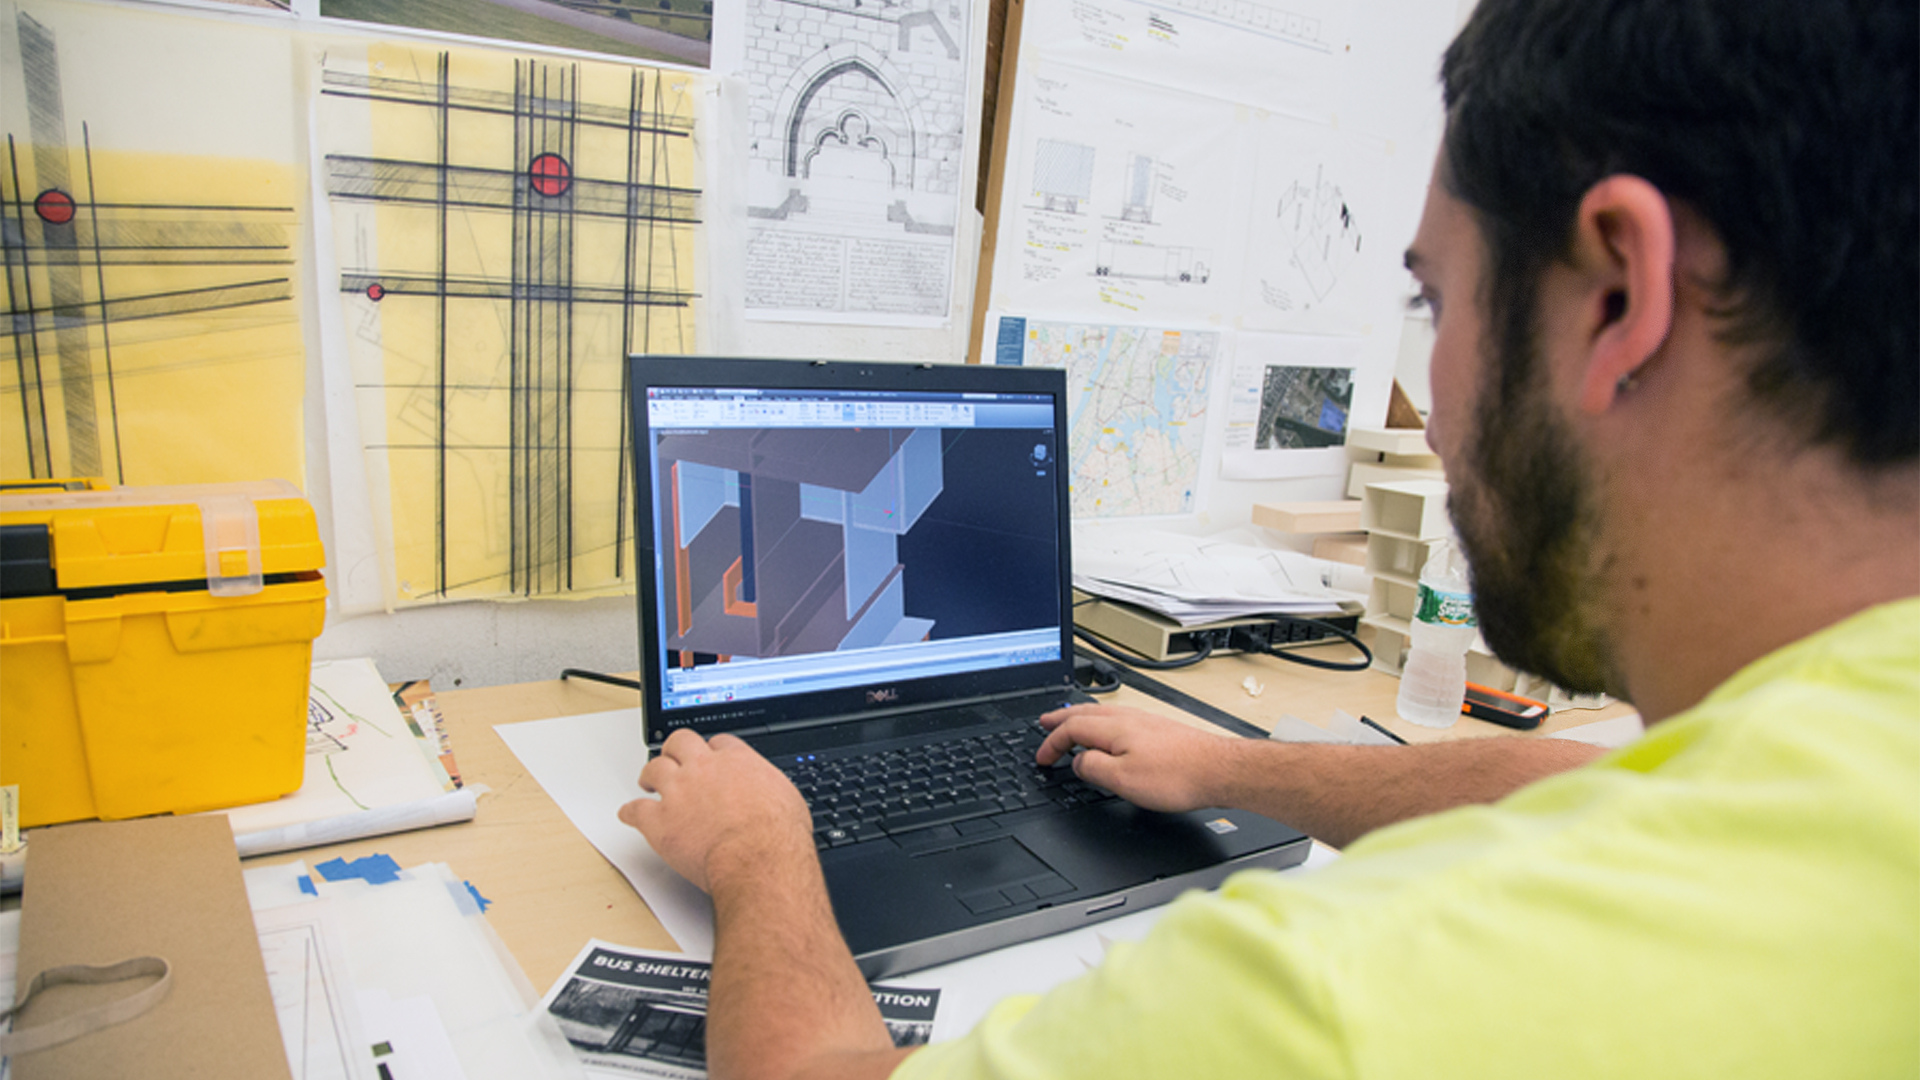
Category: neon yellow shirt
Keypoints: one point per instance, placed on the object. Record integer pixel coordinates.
(1735, 895)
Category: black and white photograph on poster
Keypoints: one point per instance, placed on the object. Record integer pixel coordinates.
(1304, 407)
(632, 1012)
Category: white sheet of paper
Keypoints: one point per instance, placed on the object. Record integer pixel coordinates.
(307, 973)
(1611, 734)
(415, 1041)
(1124, 202)
(590, 766)
(422, 935)
(1294, 59)
(443, 809)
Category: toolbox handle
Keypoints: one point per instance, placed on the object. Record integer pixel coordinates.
(230, 526)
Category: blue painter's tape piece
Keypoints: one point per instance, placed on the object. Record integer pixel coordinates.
(1010, 347)
(374, 869)
(477, 898)
(306, 886)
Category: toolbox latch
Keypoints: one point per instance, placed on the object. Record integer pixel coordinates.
(231, 530)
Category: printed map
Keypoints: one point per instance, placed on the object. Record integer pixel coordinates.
(1137, 404)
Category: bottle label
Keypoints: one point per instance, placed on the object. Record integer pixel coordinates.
(1443, 607)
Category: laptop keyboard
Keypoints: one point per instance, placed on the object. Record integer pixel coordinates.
(958, 784)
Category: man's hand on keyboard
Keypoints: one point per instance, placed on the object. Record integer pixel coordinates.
(722, 807)
(1148, 760)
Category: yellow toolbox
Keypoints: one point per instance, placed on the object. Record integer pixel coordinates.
(155, 645)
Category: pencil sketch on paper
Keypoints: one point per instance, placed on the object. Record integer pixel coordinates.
(1062, 175)
(1321, 234)
(1152, 262)
(126, 302)
(1137, 190)
(1295, 28)
(513, 231)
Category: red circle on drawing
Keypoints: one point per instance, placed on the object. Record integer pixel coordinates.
(550, 174)
(54, 206)
(375, 291)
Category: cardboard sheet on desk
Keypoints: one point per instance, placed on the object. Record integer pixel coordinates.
(102, 892)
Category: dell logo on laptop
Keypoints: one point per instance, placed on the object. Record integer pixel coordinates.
(881, 697)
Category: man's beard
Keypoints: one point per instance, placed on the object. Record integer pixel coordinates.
(1523, 508)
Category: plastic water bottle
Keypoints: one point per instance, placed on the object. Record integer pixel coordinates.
(1434, 681)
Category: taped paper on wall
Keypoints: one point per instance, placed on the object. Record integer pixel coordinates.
(152, 215)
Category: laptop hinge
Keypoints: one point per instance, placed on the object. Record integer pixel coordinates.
(876, 714)
(783, 726)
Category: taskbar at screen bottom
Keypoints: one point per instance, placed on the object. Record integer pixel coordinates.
(752, 679)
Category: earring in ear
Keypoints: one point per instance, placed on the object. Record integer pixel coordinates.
(1627, 382)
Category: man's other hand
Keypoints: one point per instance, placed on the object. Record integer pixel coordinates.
(1148, 760)
(720, 805)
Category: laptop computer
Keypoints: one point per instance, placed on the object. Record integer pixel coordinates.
(863, 569)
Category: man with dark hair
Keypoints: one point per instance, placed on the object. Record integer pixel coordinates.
(1670, 249)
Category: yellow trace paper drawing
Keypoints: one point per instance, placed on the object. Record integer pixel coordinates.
(506, 231)
(150, 227)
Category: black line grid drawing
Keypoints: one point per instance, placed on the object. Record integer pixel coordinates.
(130, 305)
(514, 229)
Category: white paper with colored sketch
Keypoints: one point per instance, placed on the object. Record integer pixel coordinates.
(361, 755)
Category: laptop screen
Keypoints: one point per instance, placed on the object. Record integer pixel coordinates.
(826, 539)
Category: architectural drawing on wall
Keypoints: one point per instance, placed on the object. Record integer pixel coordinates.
(1320, 231)
(1062, 175)
(786, 541)
(152, 332)
(1274, 54)
(857, 132)
(513, 231)
(1265, 20)
(1137, 191)
(1152, 262)
(1304, 407)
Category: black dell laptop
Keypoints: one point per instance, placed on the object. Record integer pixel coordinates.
(863, 570)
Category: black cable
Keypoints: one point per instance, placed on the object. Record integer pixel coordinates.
(610, 680)
(1205, 651)
(1245, 643)
(1094, 675)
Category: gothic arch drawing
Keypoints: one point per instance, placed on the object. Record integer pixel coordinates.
(846, 87)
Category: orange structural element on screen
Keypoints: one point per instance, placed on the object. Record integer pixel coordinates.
(730, 581)
(682, 570)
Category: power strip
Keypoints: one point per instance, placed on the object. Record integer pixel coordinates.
(1157, 637)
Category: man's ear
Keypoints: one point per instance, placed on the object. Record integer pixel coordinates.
(1624, 247)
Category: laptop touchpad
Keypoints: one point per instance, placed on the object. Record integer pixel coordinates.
(997, 874)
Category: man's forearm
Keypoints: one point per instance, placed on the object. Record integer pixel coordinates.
(786, 999)
(1338, 794)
